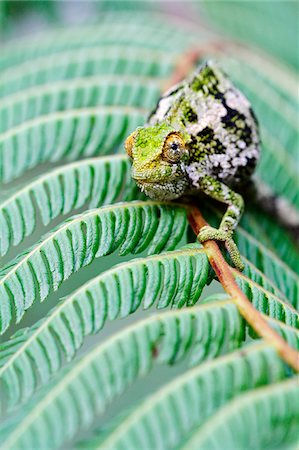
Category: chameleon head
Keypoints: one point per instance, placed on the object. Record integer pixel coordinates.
(159, 155)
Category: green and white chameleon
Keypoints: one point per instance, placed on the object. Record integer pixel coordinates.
(202, 136)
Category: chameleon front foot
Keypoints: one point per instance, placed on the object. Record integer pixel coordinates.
(207, 233)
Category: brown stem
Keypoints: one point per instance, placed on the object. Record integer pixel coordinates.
(245, 307)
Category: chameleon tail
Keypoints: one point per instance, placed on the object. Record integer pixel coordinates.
(275, 205)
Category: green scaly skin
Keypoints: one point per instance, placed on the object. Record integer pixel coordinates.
(202, 137)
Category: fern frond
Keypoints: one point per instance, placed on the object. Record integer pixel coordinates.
(254, 274)
(88, 387)
(269, 263)
(119, 59)
(165, 418)
(115, 293)
(66, 135)
(266, 302)
(272, 235)
(95, 182)
(122, 29)
(281, 78)
(131, 227)
(238, 425)
(75, 94)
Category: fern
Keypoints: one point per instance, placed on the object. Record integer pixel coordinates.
(115, 293)
(93, 181)
(266, 302)
(105, 368)
(118, 293)
(275, 406)
(193, 397)
(131, 227)
(65, 135)
(120, 30)
(74, 94)
(94, 61)
(277, 240)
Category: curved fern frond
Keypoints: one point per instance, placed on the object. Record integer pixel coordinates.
(95, 182)
(75, 94)
(164, 339)
(165, 418)
(281, 78)
(79, 63)
(272, 235)
(115, 293)
(238, 425)
(66, 135)
(121, 30)
(254, 274)
(266, 302)
(131, 227)
(269, 263)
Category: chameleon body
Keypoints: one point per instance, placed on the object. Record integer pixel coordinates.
(202, 137)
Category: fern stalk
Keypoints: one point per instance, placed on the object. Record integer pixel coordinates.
(225, 276)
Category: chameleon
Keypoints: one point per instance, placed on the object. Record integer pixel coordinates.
(202, 137)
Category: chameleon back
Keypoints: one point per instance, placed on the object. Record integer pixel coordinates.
(224, 139)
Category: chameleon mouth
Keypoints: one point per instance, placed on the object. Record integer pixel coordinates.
(154, 177)
(162, 190)
(151, 180)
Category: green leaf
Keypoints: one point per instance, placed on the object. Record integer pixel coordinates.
(277, 75)
(266, 302)
(100, 60)
(167, 416)
(141, 31)
(115, 293)
(272, 235)
(254, 274)
(238, 425)
(131, 227)
(76, 94)
(66, 135)
(85, 390)
(92, 182)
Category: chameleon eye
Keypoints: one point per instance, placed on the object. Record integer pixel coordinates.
(174, 148)
(129, 144)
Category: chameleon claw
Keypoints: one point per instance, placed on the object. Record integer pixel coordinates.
(207, 233)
